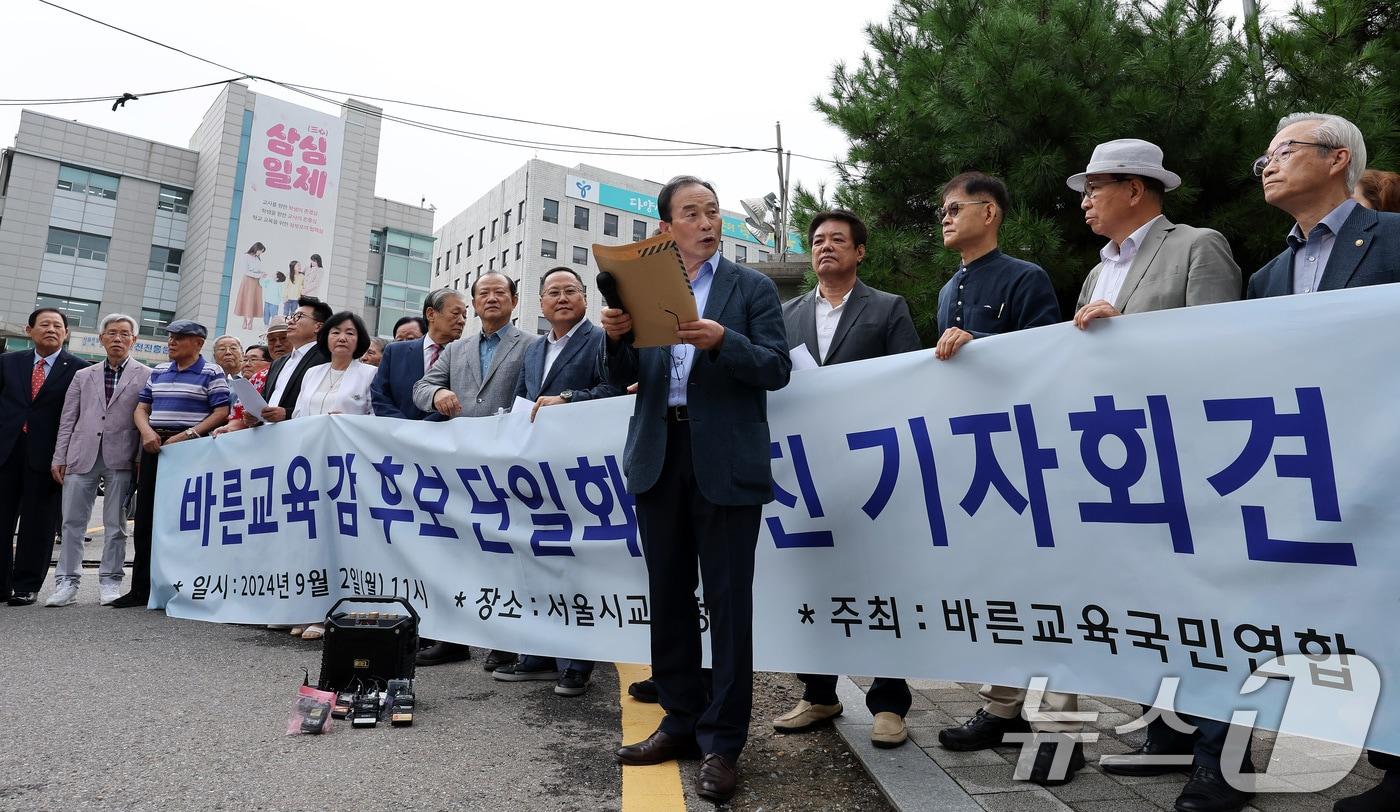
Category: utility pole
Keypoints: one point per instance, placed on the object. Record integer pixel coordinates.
(784, 173)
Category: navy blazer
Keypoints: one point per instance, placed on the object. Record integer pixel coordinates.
(727, 396)
(579, 367)
(391, 392)
(1366, 252)
(41, 413)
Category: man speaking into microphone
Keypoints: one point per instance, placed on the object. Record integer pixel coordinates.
(706, 392)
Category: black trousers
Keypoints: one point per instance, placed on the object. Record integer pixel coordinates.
(886, 694)
(145, 513)
(30, 499)
(678, 527)
(1206, 744)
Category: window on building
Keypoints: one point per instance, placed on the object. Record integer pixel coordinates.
(491, 264)
(86, 181)
(173, 200)
(517, 249)
(551, 211)
(459, 253)
(520, 213)
(494, 221)
(470, 237)
(549, 249)
(371, 294)
(581, 218)
(741, 253)
(639, 230)
(457, 283)
(77, 244)
(376, 242)
(504, 254)
(437, 266)
(80, 312)
(153, 322)
(580, 255)
(505, 228)
(481, 238)
(165, 259)
(610, 225)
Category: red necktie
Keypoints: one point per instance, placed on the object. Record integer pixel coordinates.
(36, 382)
(437, 349)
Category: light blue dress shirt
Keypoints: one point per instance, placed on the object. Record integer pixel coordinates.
(488, 350)
(1310, 254)
(49, 360)
(683, 355)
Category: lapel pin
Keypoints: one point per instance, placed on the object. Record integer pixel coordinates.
(1359, 243)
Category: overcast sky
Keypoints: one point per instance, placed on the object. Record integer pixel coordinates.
(721, 72)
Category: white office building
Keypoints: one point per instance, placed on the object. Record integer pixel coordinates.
(544, 215)
(94, 221)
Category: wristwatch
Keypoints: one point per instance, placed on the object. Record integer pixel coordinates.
(567, 395)
(191, 434)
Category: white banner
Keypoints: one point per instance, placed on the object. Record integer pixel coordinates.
(290, 189)
(1186, 493)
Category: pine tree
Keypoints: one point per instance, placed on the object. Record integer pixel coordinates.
(1024, 89)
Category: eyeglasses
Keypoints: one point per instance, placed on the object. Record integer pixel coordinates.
(1283, 152)
(565, 293)
(957, 206)
(298, 316)
(1091, 190)
(115, 334)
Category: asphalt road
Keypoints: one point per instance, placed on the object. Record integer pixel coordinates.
(128, 709)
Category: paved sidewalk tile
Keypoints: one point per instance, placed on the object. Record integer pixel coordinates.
(923, 776)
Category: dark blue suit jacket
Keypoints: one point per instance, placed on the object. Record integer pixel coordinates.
(727, 397)
(579, 367)
(1366, 252)
(41, 413)
(391, 392)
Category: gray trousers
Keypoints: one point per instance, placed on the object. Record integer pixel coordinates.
(79, 493)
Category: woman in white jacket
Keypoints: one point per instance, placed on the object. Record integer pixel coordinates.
(340, 387)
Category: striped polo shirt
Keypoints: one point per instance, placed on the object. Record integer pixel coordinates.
(182, 399)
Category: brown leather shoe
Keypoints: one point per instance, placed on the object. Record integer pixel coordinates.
(657, 748)
(717, 779)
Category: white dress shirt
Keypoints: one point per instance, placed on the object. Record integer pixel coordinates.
(828, 316)
(1117, 260)
(553, 348)
(287, 369)
(428, 345)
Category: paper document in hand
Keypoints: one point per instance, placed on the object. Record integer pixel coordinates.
(253, 402)
(652, 282)
(802, 358)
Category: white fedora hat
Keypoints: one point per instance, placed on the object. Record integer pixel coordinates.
(1126, 156)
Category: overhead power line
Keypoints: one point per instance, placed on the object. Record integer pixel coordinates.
(685, 148)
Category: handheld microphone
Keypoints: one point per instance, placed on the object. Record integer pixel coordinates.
(607, 286)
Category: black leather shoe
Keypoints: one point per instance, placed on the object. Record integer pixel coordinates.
(1384, 797)
(440, 652)
(21, 599)
(1144, 761)
(498, 658)
(717, 779)
(657, 748)
(1207, 791)
(644, 691)
(130, 600)
(983, 730)
(1043, 772)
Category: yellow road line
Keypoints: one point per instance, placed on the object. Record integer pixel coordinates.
(645, 789)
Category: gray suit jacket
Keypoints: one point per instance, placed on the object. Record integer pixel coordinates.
(873, 324)
(459, 369)
(1176, 266)
(89, 422)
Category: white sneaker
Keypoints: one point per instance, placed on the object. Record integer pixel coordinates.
(109, 591)
(66, 594)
